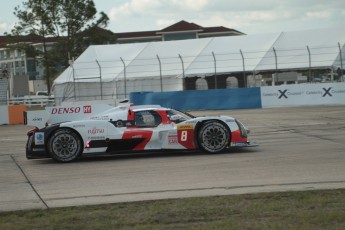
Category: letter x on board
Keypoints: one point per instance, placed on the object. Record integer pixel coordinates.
(282, 94)
(327, 92)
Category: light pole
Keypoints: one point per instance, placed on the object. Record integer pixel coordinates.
(11, 76)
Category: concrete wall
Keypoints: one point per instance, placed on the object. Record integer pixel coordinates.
(240, 98)
(247, 98)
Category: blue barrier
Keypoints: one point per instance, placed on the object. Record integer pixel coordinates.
(216, 99)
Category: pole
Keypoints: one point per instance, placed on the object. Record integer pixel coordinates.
(160, 72)
(100, 78)
(341, 61)
(244, 70)
(309, 70)
(215, 71)
(73, 74)
(124, 76)
(183, 73)
(276, 73)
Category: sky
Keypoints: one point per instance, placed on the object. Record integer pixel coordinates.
(247, 16)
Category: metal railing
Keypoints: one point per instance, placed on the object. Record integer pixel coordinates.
(30, 101)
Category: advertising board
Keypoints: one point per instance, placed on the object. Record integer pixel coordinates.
(303, 95)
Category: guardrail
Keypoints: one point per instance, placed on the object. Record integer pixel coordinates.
(32, 101)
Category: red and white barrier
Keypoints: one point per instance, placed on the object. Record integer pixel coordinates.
(12, 114)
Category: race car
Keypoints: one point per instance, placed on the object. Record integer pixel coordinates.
(128, 128)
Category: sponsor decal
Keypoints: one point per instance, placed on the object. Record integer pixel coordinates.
(96, 138)
(39, 138)
(338, 91)
(37, 119)
(270, 94)
(283, 94)
(324, 93)
(72, 110)
(87, 109)
(313, 92)
(78, 126)
(95, 131)
(102, 118)
(286, 93)
(182, 126)
(172, 139)
(67, 110)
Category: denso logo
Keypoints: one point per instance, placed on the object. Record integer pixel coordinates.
(65, 110)
(95, 131)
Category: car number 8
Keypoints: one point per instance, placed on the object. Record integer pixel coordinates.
(184, 135)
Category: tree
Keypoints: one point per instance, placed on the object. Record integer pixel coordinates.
(39, 17)
(65, 20)
(78, 37)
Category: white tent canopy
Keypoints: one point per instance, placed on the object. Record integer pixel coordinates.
(124, 68)
(292, 50)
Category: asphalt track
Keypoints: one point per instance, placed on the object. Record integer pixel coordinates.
(300, 149)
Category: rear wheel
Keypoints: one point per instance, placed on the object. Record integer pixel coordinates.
(64, 145)
(213, 137)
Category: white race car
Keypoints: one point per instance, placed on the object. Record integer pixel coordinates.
(129, 128)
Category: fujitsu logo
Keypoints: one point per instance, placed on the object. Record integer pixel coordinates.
(95, 131)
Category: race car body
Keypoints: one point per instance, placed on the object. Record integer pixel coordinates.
(129, 128)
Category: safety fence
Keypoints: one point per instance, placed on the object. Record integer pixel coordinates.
(248, 68)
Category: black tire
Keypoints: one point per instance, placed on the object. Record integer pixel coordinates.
(213, 137)
(64, 145)
(29, 144)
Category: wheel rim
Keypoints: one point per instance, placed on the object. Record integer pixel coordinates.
(64, 145)
(214, 137)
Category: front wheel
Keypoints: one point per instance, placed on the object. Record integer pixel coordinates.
(64, 145)
(213, 137)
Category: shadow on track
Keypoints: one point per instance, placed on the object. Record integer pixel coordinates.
(150, 154)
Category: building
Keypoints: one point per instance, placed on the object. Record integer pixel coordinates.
(179, 31)
(22, 72)
(15, 62)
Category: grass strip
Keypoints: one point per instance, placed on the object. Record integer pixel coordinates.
(324, 209)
